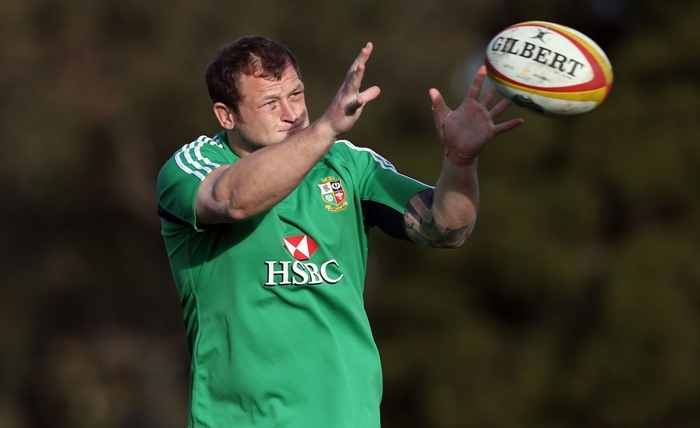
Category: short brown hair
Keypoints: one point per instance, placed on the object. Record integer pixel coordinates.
(250, 55)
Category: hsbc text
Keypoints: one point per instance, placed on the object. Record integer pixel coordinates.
(298, 273)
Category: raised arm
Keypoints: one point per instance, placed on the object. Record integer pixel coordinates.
(265, 176)
(445, 216)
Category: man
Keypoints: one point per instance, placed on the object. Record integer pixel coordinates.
(266, 228)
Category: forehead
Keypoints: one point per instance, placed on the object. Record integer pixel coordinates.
(255, 86)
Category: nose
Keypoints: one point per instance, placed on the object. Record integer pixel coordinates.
(289, 114)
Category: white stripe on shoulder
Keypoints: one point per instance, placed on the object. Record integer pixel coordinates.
(197, 165)
(383, 162)
(376, 156)
(184, 167)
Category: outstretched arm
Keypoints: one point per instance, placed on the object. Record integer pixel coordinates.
(261, 179)
(444, 216)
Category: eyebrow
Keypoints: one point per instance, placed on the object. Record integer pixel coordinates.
(275, 95)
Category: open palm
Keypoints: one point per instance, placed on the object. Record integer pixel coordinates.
(467, 130)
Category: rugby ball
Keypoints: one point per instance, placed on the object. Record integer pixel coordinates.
(549, 69)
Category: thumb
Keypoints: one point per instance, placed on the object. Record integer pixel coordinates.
(440, 109)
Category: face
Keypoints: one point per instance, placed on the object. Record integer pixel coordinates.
(269, 112)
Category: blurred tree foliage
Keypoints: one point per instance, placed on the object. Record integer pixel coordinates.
(576, 302)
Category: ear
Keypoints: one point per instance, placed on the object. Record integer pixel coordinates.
(225, 116)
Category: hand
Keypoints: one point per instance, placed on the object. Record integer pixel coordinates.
(467, 130)
(348, 103)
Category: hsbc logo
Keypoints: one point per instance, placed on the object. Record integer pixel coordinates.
(298, 273)
(300, 247)
(285, 272)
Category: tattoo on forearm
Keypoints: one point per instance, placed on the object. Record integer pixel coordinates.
(422, 228)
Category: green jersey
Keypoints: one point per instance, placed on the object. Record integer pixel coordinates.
(273, 305)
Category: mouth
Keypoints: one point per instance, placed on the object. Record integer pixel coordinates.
(299, 126)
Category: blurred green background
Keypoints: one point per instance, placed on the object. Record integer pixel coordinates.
(575, 303)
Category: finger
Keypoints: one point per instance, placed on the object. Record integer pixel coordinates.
(363, 98)
(357, 70)
(355, 77)
(353, 106)
(366, 52)
(440, 109)
(477, 83)
(362, 58)
(370, 94)
(507, 126)
(489, 96)
(499, 108)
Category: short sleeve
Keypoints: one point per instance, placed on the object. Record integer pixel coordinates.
(179, 179)
(379, 181)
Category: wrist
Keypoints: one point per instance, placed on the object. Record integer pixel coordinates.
(323, 130)
(459, 159)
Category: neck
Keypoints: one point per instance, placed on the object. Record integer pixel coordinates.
(238, 145)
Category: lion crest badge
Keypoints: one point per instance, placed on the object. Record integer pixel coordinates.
(333, 194)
